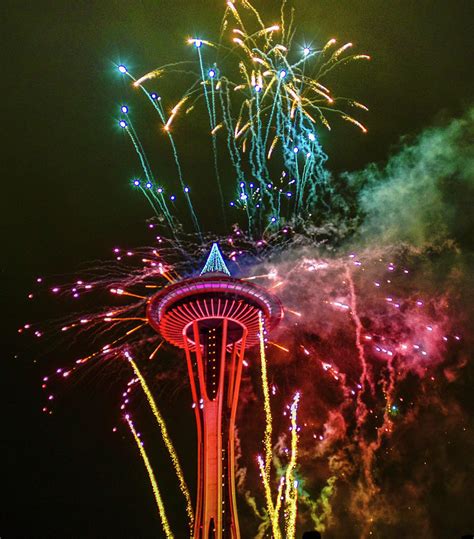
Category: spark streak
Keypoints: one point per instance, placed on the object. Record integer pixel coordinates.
(164, 433)
(361, 407)
(273, 515)
(151, 475)
(291, 491)
(276, 102)
(267, 438)
(279, 346)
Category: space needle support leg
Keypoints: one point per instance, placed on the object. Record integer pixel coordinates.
(211, 478)
(230, 386)
(220, 398)
(234, 390)
(197, 413)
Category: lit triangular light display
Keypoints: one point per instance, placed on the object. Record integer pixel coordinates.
(215, 263)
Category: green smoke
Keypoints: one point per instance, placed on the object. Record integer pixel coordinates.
(423, 195)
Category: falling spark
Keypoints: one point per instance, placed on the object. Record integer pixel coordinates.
(291, 485)
(267, 438)
(151, 475)
(268, 499)
(164, 434)
(279, 346)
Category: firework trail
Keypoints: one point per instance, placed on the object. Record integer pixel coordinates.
(267, 437)
(155, 100)
(291, 486)
(364, 378)
(164, 434)
(279, 106)
(366, 336)
(151, 475)
(278, 504)
(273, 514)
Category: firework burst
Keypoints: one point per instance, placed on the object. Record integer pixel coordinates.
(266, 105)
(364, 337)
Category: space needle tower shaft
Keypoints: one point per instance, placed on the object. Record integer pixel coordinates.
(214, 318)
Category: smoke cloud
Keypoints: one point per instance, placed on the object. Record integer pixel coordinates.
(378, 332)
(423, 195)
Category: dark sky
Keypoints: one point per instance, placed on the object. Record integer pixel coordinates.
(66, 200)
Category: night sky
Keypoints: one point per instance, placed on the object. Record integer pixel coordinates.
(67, 201)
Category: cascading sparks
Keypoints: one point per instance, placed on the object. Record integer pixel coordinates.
(267, 437)
(272, 511)
(259, 93)
(164, 434)
(291, 485)
(265, 465)
(151, 475)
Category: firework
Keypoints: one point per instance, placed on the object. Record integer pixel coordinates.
(277, 102)
(166, 439)
(151, 475)
(359, 329)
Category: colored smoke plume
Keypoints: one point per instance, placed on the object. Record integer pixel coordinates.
(378, 336)
(423, 195)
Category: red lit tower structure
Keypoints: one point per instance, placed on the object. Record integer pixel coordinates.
(214, 318)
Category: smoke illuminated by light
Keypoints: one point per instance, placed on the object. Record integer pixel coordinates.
(369, 336)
